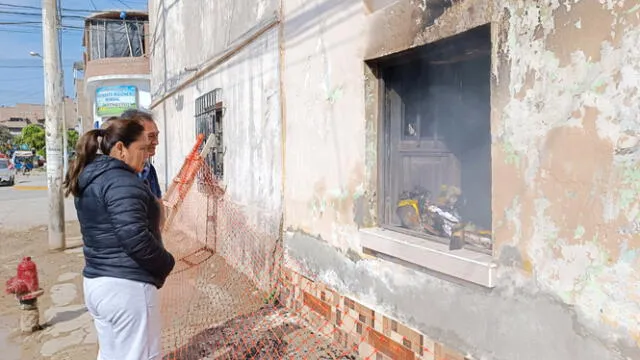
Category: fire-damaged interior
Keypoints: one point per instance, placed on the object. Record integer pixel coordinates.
(437, 141)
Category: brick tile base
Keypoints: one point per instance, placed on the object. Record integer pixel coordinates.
(353, 325)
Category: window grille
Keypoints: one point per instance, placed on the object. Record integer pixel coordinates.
(208, 116)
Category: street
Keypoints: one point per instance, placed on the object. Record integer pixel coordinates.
(25, 204)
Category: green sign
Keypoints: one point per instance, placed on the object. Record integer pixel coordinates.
(114, 100)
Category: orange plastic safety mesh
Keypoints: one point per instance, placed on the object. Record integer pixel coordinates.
(224, 299)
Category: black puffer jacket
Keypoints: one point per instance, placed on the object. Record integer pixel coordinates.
(120, 222)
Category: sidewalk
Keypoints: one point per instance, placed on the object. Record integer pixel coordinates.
(68, 331)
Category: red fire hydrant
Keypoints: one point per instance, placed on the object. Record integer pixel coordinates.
(26, 287)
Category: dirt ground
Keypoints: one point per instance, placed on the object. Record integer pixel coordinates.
(227, 318)
(212, 312)
(16, 244)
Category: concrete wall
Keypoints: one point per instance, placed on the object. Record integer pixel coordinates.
(70, 113)
(83, 105)
(185, 36)
(192, 35)
(565, 193)
(120, 66)
(565, 156)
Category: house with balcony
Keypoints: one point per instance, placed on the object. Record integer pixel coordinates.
(116, 66)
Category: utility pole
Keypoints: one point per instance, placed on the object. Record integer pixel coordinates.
(53, 106)
(65, 143)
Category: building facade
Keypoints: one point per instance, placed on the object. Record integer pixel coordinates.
(20, 115)
(467, 169)
(83, 106)
(116, 65)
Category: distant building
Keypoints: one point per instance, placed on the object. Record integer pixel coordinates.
(116, 66)
(19, 116)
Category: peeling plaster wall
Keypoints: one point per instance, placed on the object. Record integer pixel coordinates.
(186, 35)
(565, 152)
(191, 33)
(566, 142)
(323, 82)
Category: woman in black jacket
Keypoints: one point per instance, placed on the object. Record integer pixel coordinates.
(125, 260)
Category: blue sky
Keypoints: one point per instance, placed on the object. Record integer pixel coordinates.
(21, 75)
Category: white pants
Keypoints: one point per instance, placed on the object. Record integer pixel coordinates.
(126, 315)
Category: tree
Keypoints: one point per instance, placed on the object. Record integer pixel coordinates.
(34, 137)
(5, 138)
(72, 139)
(5, 134)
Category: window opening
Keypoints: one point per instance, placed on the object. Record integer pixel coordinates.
(209, 121)
(437, 141)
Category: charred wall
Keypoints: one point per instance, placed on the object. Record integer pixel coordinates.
(564, 153)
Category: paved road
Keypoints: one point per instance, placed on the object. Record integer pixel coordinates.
(25, 204)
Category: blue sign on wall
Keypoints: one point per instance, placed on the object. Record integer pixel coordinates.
(114, 100)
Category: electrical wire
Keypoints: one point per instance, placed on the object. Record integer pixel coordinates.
(123, 3)
(39, 8)
(22, 79)
(20, 13)
(19, 22)
(20, 31)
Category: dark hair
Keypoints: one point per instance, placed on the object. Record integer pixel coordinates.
(138, 115)
(107, 122)
(118, 130)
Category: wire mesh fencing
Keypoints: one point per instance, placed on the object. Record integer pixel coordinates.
(230, 297)
(222, 300)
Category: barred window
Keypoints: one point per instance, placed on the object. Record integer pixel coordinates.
(208, 116)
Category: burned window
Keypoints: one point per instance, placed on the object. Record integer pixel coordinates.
(209, 122)
(437, 141)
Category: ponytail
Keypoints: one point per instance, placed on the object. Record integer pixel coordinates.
(86, 152)
(118, 130)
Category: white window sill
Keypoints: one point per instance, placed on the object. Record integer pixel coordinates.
(463, 264)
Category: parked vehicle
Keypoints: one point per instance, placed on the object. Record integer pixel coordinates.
(7, 173)
(23, 161)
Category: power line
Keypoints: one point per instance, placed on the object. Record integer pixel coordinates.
(19, 22)
(22, 79)
(123, 3)
(38, 8)
(19, 6)
(20, 31)
(19, 13)
(31, 66)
